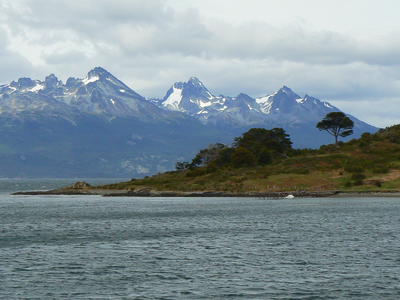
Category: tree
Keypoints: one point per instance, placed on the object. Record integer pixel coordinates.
(264, 143)
(224, 157)
(336, 124)
(182, 165)
(243, 157)
(205, 156)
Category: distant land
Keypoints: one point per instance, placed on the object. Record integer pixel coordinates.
(366, 166)
(99, 127)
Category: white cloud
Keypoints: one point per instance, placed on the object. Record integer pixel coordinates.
(12, 64)
(254, 47)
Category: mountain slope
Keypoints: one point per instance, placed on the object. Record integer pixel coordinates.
(370, 163)
(284, 108)
(91, 127)
(98, 126)
(194, 99)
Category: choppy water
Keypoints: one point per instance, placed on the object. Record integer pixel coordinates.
(73, 247)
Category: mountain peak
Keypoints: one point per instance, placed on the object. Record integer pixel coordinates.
(195, 81)
(23, 82)
(285, 89)
(98, 72)
(51, 80)
(191, 96)
(50, 77)
(287, 92)
(243, 96)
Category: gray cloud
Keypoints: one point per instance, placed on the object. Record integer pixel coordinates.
(150, 44)
(12, 65)
(152, 28)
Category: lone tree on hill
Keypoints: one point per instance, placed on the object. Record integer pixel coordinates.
(336, 124)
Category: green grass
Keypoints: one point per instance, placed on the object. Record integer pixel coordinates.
(371, 163)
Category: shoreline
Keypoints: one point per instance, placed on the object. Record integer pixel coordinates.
(153, 193)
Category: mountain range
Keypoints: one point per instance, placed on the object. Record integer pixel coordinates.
(283, 107)
(99, 127)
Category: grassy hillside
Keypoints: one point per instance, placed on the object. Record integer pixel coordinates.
(371, 163)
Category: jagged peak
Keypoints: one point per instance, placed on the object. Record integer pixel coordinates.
(288, 92)
(71, 81)
(51, 80)
(98, 71)
(50, 77)
(194, 79)
(243, 96)
(23, 82)
(193, 82)
(196, 82)
(285, 89)
(178, 85)
(308, 97)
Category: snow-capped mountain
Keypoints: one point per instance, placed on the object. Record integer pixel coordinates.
(194, 99)
(99, 93)
(288, 106)
(92, 127)
(98, 126)
(102, 94)
(282, 108)
(188, 96)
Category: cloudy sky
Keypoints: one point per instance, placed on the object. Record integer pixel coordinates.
(343, 51)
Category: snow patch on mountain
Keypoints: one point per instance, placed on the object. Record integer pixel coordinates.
(36, 88)
(99, 93)
(88, 80)
(174, 99)
(281, 108)
(265, 103)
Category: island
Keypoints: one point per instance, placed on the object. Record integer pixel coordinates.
(262, 163)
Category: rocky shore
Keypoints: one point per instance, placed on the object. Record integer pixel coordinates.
(83, 188)
(151, 193)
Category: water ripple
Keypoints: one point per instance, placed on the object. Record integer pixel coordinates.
(96, 248)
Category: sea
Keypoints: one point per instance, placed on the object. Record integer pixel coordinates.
(92, 247)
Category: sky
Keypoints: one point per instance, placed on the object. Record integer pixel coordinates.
(346, 52)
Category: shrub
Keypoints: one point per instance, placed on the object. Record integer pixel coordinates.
(303, 171)
(211, 168)
(348, 184)
(224, 157)
(182, 165)
(357, 178)
(380, 169)
(264, 157)
(328, 148)
(243, 158)
(238, 179)
(366, 136)
(374, 182)
(196, 172)
(258, 139)
(353, 169)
